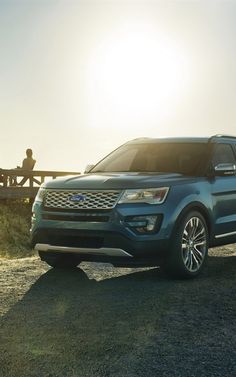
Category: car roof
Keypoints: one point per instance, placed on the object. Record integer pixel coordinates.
(212, 139)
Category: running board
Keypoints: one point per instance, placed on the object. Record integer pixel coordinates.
(113, 252)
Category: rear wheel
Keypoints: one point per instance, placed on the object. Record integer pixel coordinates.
(189, 247)
(60, 260)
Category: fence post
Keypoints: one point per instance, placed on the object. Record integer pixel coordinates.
(5, 179)
(31, 181)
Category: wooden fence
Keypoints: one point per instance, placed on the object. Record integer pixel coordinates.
(10, 179)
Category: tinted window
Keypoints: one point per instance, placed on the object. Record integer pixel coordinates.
(223, 153)
(184, 158)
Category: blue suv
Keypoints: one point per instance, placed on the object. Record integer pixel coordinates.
(150, 202)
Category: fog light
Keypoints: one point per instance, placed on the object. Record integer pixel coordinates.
(143, 224)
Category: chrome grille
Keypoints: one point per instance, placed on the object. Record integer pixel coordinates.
(72, 199)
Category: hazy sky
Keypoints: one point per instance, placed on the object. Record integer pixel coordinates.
(79, 78)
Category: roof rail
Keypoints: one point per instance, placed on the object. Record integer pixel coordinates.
(137, 138)
(221, 136)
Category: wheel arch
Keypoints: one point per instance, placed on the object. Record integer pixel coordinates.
(175, 265)
(199, 207)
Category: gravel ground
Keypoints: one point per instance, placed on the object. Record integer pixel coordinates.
(100, 321)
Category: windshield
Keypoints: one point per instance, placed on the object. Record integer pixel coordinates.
(183, 158)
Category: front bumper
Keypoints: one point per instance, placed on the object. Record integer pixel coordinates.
(106, 247)
(101, 236)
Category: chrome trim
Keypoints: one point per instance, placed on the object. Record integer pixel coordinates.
(82, 250)
(225, 168)
(87, 199)
(225, 235)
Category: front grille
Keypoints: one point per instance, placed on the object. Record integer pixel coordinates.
(72, 199)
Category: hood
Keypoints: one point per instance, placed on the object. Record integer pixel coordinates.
(117, 181)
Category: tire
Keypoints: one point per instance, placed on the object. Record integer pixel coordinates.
(60, 260)
(189, 247)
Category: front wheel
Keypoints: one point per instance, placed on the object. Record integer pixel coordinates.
(59, 260)
(189, 247)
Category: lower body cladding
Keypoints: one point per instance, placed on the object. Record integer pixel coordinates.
(106, 247)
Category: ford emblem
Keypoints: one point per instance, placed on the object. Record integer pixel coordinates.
(77, 198)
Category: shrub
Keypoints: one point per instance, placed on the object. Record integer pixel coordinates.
(14, 228)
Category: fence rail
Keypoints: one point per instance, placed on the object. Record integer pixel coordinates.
(10, 179)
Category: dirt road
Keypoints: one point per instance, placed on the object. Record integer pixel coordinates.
(98, 321)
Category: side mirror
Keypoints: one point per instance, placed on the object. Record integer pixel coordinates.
(225, 169)
(88, 168)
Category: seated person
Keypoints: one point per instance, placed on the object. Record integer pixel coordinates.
(28, 164)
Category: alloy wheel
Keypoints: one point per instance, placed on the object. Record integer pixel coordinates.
(194, 244)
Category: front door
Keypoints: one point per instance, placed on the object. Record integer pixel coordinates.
(224, 194)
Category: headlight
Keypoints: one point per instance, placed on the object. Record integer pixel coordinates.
(150, 195)
(40, 195)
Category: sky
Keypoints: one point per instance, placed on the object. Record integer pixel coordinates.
(80, 78)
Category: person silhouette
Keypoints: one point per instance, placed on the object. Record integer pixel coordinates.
(28, 164)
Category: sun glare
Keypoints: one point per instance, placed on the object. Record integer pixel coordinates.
(134, 76)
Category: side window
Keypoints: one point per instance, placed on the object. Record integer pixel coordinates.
(234, 146)
(223, 153)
